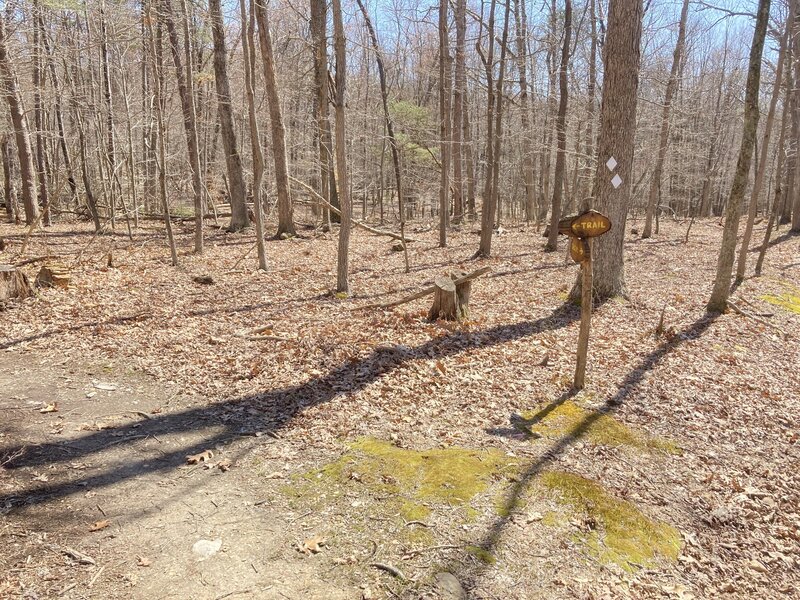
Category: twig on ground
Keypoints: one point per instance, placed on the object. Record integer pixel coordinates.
(418, 551)
(391, 569)
(750, 315)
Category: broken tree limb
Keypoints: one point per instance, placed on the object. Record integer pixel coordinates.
(364, 226)
(429, 290)
(750, 315)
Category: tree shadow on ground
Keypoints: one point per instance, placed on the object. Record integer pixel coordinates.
(228, 420)
(513, 499)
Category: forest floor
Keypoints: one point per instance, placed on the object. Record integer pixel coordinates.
(367, 453)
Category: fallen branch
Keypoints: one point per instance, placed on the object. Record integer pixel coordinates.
(427, 291)
(418, 551)
(82, 558)
(364, 226)
(33, 260)
(391, 569)
(750, 315)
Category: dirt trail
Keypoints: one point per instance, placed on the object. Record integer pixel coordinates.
(104, 456)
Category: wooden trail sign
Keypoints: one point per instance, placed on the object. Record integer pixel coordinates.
(581, 229)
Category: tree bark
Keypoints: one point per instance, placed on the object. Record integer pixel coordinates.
(761, 162)
(38, 113)
(487, 212)
(521, 30)
(339, 45)
(663, 142)
(285, 210)
(249, 51)
(21, 132)
(233, 161)
(459, 91)
(185, 80)
(444, 124)
(561, 132)
(617, 130)
(722, 282)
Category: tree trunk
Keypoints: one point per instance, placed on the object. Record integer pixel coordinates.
(561, 132)
(285, 211)
(342, 269)
(521, 30)
(761, 161)
(14, 285)
(445, 300)
(779, 191)
(21, 133)
(249, 51)
(487, 211)
(459, 91)
(319, 19)
(617, 129)
(663, 142)
(9, 194)
(498, 125)
(38, 113)
(157, 55)
(591, 109)
(185, 81)
(233, 161)
(796, 114)
(444, 124)
(722, 282)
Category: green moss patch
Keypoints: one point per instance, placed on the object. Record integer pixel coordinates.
(481, 554)
(618, 532)
(570, 419)
(401, 485)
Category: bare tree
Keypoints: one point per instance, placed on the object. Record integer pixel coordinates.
(233, 161)
(663, 141)
(339, 46)
(722, 282)
(616, 139)
(285, 210)
(561, 131)
(444, 123)
(186, 91)
(21, 132)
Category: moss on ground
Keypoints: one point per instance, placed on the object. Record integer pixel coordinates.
(570, 419)
(619, 532)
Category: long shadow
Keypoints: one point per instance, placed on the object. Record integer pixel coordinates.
(80, 326)
(277, 409)
(513, 499)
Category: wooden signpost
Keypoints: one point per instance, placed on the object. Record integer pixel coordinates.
(581, 229)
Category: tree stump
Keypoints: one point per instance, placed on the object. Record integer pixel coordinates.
(53, 274)
(13, 284)
(463, 290)
(445, 300)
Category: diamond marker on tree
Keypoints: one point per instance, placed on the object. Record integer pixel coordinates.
(611, 164)
(616, 181)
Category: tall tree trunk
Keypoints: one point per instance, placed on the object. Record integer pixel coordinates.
(387, 117)
(21, 133)
(711, 161)
(157, 55)
(521, 31)
(186, 91)
(150, 183)
(339, 46)
(487, 212)
(62, 139)
(285, 211)
(498, 125)
(761, 161)
(663, 142)
(9, 194)
(796, 195)
(591, 109)
(319, 20)
(617, 131)
(561, 131)
(249, 51)
(459, 91)
(111, 153)
(722, 282)
(779, 174)
(469, 159)
(233, 161)
(38, 112)
(444, 123)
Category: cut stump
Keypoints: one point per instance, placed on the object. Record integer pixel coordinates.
(13, 284)
(53, 274)
(450, 300)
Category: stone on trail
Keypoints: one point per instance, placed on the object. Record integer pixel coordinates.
(206, 548)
